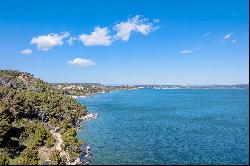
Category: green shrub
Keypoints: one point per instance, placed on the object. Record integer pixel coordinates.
(29, 109)
(71, 144)
(55, 158)
(50, 141)
(4, 159)
(29, 156)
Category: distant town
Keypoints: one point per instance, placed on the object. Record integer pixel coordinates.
(86, 89)
(237, 86)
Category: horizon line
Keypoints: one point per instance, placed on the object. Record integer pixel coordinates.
(145, 84)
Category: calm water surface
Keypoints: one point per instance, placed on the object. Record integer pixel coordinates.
(168, 127)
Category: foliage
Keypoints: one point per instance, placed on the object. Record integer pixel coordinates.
(50, 141)
(29, 109)
(4, 159)
(71, 143)
(29, 156)
(55, 158)
(37, 135)
(5, 121)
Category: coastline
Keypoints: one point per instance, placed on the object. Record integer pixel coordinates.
(86, 149)
(76, 97)
(86, 155)
(60, 143)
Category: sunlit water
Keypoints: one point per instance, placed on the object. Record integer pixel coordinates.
(168, 127)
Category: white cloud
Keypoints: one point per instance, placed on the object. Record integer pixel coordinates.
(26, 51)
(137, 24)
(186, 52)
(71, 40)
(228, 36)
(206, 34)
(45, 42)
(81, 62)
(100, 36)
(157, 20)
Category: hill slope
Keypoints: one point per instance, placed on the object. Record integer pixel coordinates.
(29, 110)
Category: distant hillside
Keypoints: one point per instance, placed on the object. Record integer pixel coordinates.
(86, 89)
(83, 84)
(29, 110)
(22, 80)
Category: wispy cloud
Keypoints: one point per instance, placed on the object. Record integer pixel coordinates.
(197, 47)
(157, 20)
(80, 62)
(71, 40)
(46, 42)
(100, 36)
(26, 52)
(228, 36)
(186, 52)
(206, 34)
(136, 24)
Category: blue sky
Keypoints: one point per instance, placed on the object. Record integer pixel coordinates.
(127, 42)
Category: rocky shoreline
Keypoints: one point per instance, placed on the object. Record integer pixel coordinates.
(86, 155)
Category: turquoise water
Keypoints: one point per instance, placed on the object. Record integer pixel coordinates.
(168, 127)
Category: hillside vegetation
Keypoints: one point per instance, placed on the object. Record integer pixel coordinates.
(29, 110)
